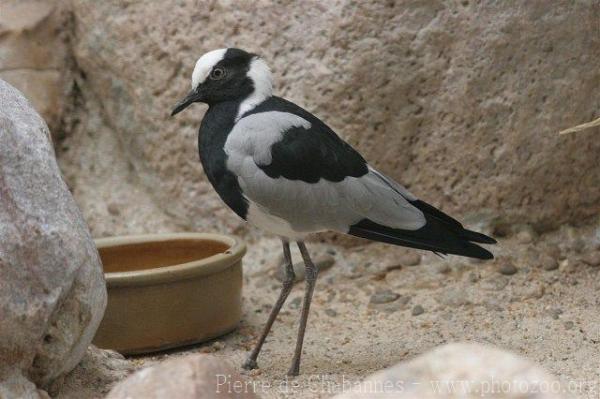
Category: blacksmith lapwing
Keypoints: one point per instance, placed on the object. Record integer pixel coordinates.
(285, 171)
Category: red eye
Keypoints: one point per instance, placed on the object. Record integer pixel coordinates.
(217, 73)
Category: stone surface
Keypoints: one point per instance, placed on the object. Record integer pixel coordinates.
(95, 375)
(52, 291)
(34, 54)
(460, 370)
(190, 377)
(363, 338)
(460, 101)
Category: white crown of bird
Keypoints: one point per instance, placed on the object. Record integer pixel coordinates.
(259, 71)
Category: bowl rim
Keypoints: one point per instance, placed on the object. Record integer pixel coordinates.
(183, 271)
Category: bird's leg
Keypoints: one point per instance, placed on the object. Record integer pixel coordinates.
(286, 287)
(311, 278)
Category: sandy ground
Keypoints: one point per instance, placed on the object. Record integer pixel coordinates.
(548, 316)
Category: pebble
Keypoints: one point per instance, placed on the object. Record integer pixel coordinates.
(568, 266)
(113, 209)
(417, 310)
(569, 325)
(379, 276)
(592, 259)
(399, 304)
(410, 259)
(535, 291)
(578, 245)
(295, 303)
(386, 296)
(404, 300)
(474, 277)
(554, 252)
(555, 313)
(443, 268)
(396, 266)
(494, 283)
(525, 236)
(548, 263)
(323, 263)
(330, 312)
(507, 268)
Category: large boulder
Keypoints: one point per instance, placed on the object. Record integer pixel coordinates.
(462, 370)
(461, 101)
(52, 291)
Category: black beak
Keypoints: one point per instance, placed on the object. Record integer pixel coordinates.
(192, 97)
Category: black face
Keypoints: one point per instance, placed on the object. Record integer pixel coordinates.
(227, 81)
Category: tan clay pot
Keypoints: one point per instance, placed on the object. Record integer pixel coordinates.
(169, 290)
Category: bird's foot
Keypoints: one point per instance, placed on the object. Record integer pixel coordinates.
(249, 364)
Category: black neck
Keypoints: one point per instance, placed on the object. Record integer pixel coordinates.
(216, 126)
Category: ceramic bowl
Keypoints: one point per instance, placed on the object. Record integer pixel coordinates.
(169, 290)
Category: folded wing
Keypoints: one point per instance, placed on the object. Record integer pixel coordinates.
(295, 168)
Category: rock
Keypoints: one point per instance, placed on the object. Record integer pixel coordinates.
(395, 266)
(577, 245)
(466, 106)
(322, 262)
(592, 259)
(569, 325)
(113, 209)
(494, 283)
(548, 263)
(52, 291)
(295, 303)
(14, 385)
(410, 259)
(533, 291)
(555, 313)
(453, 298)
(417, 310)
(95, 375)
(385, 296)
(331, 312)
(34, 54)
(190, 377)
(525, 236)
(474, 277)
(443, 268)
(435, 373)
(506, 267)
(568, 266)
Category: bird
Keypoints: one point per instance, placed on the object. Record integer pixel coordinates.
(283, 170)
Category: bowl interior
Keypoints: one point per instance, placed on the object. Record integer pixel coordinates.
(156, 254)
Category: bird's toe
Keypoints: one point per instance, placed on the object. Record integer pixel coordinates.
(250, 364)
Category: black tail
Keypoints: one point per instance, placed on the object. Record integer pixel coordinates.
(441, 234)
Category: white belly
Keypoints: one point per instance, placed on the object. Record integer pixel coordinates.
(259, 217)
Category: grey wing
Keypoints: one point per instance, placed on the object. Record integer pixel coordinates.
(327, 205)
(312, 206)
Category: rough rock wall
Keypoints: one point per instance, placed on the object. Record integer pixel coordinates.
(459, 100)
(52, 291)
(34, 54)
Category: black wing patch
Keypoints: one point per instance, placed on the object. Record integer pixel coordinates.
(310, 154)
